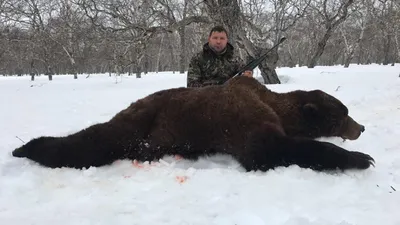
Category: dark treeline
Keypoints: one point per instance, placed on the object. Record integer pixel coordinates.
(139, 36)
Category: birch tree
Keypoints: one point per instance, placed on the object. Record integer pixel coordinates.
(329, 13)
(353, 29)
(271, 20)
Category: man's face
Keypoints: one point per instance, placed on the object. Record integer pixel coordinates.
(218, 41)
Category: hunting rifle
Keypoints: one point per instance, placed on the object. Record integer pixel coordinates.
(254, 63)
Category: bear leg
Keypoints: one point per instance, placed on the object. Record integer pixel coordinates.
(267, 148)
(98, 145)
(322, 156)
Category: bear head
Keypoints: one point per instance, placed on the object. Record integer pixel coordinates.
(316, 114)
(310, 114)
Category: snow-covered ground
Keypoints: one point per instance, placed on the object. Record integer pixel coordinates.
(209, 191)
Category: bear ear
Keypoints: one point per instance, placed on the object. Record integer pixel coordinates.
(310, 109)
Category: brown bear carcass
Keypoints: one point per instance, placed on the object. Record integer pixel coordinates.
(261, 129)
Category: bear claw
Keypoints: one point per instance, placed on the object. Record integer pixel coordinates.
(362, 160)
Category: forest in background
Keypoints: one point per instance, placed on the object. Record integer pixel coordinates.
(139, 36)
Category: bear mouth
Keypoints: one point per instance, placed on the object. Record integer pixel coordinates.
(351, 138)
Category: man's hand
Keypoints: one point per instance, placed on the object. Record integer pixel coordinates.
(248, 73)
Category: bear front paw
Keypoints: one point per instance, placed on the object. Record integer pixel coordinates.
(330, 156)
(359, 160)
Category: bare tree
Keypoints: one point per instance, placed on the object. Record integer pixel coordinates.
(274, 22)
(330, 13)
(253, 26)
(34, 15)
(3, 39)
(353, 29)
(178, 15)
(69, 29)
(383, 14)
(127, 36)
(228, 13)
(129, 23)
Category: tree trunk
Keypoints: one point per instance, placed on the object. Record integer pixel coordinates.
(71, 59)
(159, 53)
(291, 62)
(320, 48)
(266, 67)
(386, 50)
(110, 68)
(228, 13)
(32, 68)
(138, 70)
(348, 59)
(146, 63)
(182, 55)
(117, 70)
(359, 57)
(74, 69)
(356, 45)
(396, 38)
(49, 72)
(172, 59)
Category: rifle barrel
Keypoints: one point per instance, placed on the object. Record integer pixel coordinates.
(254, 63)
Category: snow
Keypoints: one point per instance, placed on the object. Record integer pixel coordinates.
(213, 190)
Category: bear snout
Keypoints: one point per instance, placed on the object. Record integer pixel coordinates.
(352, 130)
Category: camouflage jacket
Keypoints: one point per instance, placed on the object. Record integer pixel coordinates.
(209, 68)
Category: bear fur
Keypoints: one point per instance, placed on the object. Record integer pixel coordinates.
(260, 128)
